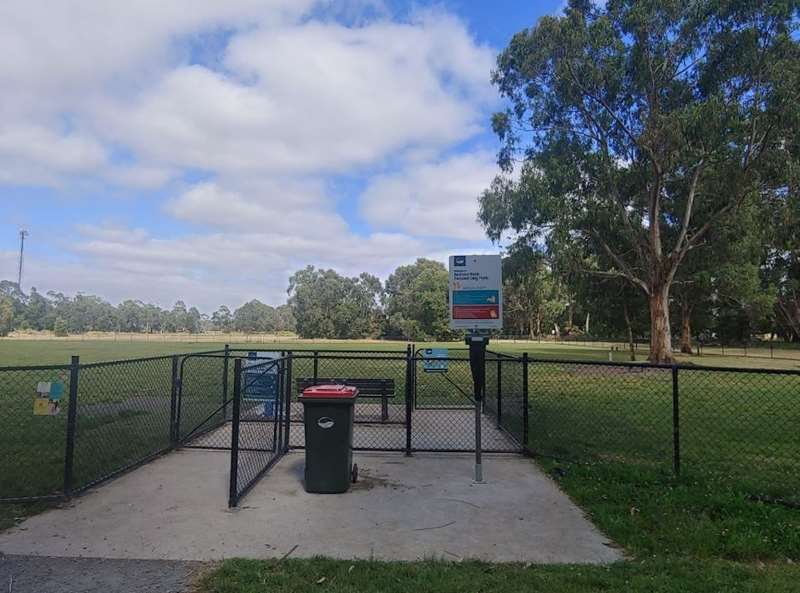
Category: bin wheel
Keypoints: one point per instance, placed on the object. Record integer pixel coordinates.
(354, 473)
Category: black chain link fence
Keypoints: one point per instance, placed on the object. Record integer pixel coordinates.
(123, 417)
(205, 384)
(64, 429)
(32, 459)
(380, 412)
(258, 428)
(444, 404)
(506, 394)
(739, 427)
(93, 421)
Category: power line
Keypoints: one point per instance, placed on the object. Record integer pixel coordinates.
(22, 234)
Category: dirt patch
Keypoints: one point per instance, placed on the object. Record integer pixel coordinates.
(368, 481)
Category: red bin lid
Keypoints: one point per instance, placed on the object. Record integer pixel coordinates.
(330, 391)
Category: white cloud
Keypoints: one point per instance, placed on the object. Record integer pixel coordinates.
(432, 199)
(265, 102)
(314, 97)
(227, 267)
(271, 207)
(33, 152)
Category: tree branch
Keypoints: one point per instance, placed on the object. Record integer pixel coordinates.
(636, 238)
(687, 215)
(601, 102)
(627, 272)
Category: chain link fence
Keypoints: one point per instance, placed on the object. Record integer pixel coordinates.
(124, 410)
(380, 414)
(739, 427)
(65, 428)
(259, 428)
(32, 459)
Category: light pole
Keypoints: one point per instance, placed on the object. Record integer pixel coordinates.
(22, 234)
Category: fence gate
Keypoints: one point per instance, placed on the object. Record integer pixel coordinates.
(444, 403)
(204, 401)
(259, 425)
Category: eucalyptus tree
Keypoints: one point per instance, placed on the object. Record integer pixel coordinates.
(639, 126)
(326, 304)
(534, 298)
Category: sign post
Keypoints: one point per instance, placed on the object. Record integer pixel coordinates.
(476, 305)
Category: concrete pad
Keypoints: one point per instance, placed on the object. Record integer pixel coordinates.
(426, 506)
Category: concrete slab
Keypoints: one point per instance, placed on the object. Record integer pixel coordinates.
(403, 508)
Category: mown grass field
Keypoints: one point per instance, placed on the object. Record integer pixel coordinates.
(58, 351)
(605, 433)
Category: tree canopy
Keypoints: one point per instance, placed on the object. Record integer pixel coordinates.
(639, 127)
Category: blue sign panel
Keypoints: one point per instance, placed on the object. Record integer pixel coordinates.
(260, 380)
(435, 360)
(476, 297)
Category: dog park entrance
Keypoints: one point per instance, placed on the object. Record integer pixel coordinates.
(409, 401)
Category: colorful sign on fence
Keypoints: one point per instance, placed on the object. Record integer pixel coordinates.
(476, 292)
(434, 360)
(47, 401)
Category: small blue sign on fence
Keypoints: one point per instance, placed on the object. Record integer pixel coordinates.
(260, 380)
(434, 360)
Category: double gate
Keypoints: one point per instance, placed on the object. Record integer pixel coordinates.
(249, 405)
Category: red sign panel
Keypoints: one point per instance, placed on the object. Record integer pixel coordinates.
(476, 311)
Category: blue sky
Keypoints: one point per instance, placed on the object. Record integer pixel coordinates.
(205, 150)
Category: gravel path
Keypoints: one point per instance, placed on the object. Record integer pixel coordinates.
(46, 574)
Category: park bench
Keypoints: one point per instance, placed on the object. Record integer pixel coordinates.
(367, 388)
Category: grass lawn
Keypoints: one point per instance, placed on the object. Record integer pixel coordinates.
(606, 437)
(682, 536)
(58, 351)
(702, 532)
(647, 576)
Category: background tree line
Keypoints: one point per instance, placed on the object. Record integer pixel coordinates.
(81, 313)
(411, 304)
(746, 286)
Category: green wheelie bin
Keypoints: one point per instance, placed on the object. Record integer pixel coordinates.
(328, 414)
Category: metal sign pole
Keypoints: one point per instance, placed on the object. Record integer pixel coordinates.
(477, 362)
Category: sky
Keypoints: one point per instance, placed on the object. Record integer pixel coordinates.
(205, 150)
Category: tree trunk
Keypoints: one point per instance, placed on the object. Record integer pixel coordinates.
(539, 324)
(686, 328)
(660, 335)
(586, 327)
(631, 344)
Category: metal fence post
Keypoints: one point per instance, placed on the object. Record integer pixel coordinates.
(525, 428)
(409, 396)
(316, 366)
(499, 391)
(225, 382)
(676, 434)
(287, 384)
(233, 491)
(72, 417)
(173, 403)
